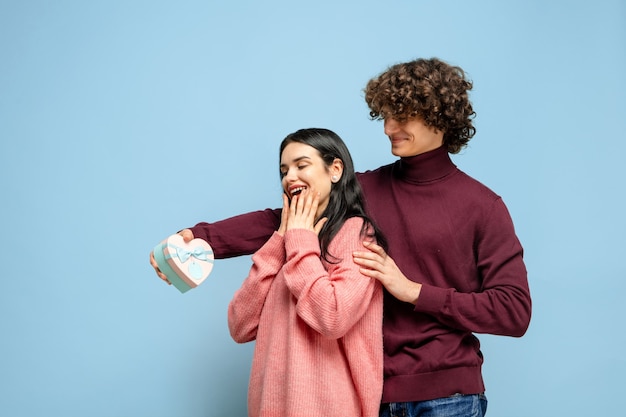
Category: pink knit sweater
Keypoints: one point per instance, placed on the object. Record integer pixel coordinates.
(317, 326)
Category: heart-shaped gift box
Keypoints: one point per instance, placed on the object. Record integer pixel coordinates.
(186, 264)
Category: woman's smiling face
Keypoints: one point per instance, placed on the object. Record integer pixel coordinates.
(303, 169)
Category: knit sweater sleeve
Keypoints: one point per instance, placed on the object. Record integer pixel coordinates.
(503, 305)
(329, 300)
(244, 310)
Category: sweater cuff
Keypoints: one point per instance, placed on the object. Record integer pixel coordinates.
(300, 241)
(432, 300)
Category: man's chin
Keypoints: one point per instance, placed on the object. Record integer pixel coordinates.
(397, 151)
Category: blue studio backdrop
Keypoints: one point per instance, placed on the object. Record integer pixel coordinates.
(122, 122)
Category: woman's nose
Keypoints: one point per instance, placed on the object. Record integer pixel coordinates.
(290, 176)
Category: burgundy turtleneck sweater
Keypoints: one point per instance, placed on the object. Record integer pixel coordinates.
(446, 231)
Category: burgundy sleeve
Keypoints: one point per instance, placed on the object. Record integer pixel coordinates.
(503, 305)
(239, 235)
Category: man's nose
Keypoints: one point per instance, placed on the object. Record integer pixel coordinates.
(391, 126)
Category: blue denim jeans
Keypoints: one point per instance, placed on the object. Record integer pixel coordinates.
(456, 406)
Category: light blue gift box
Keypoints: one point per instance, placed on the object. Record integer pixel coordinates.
(186, 265)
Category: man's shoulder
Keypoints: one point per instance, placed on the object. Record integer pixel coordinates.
(374, 171)
(372, 174)
(475, 186)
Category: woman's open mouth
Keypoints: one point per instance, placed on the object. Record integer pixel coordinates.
(298, 190)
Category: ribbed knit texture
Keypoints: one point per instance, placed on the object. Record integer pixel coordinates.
(446, 231)
(317, 326)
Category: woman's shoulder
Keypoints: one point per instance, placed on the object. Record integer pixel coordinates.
(355, 222)
(350, 232)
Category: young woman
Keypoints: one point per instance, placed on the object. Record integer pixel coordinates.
(316, 320)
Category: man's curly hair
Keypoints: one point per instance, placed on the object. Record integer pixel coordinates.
(429, 89)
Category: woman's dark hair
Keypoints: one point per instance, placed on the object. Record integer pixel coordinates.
(346, 199)
(430, 89)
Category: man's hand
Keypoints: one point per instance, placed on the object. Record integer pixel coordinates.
(187, 235)
(376, 264)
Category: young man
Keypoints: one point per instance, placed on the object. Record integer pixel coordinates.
(454, 265)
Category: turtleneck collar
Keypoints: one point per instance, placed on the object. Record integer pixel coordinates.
(425, 167)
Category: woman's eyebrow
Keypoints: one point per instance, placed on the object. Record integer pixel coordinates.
(298, 159)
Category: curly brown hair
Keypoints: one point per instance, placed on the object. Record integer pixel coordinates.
(429, 89)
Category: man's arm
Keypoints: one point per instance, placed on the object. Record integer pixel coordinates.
(502, 306)
(239, 235)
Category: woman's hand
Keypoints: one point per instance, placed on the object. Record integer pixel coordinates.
(187, 235)
(376, 264)
(302, 210)
(301, 213)
(284, 217)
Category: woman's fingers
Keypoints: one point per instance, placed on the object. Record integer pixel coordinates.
(284, 216)
(315, 202)
(318, 226)
(303, 210)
